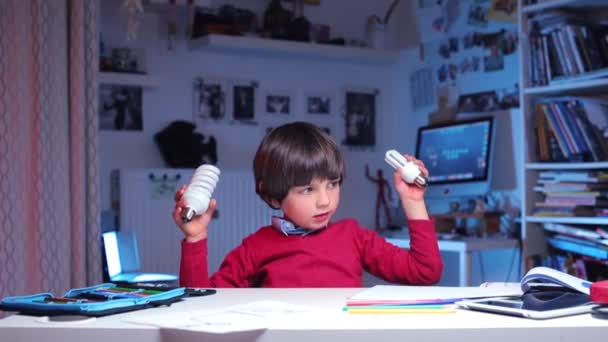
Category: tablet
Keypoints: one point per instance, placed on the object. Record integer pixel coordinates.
(514, 306)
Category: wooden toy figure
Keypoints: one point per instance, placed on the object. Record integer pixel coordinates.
(382, 185)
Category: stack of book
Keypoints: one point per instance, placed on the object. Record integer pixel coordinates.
(566, 129)
(566, 44)
(578, 240)
(572, 193)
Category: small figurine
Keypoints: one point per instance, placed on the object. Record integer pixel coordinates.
(382, 184)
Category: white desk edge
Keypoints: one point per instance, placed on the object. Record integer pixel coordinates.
(463, 325)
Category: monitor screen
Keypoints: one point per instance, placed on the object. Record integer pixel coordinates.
(458, 156)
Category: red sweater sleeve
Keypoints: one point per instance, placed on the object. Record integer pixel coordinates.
(236, 269)
(193, 271)
(420, 265)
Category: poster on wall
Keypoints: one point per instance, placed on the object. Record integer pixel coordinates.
(120, 108)
(360, 117)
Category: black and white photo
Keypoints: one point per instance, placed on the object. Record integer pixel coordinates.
(318, 104)
(277, 103)
(120, 108)
(360, 120)
(243, 101)
(209, 99)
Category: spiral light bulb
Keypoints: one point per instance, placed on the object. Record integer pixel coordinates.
(198, 193)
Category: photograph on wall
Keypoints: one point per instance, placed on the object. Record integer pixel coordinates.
(494, 62)
(277, 102)
(318, 104)
(509, 42)
(243, 101)
(478, 16)
(209, 98)
(478, 102)
(509, 97)
(503, 10)
(120, 108)
(360, 117)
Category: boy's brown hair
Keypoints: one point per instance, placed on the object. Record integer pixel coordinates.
(293, 155)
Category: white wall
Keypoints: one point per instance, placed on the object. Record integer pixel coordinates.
(172, 98)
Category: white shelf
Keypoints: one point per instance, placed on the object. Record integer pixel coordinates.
(572, 87)
(567, 166)
(548, 5)
(239, 45)
(126, 79)
(566, 220)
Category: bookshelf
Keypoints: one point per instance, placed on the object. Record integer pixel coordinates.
(562, 137)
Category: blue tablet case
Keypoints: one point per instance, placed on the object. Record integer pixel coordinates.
(99, 300)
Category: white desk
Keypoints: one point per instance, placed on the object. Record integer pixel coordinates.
(464, 248)
(462, 325)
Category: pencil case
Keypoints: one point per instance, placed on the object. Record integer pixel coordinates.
(99, 300)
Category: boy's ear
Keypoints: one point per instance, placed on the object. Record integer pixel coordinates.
(274, 203)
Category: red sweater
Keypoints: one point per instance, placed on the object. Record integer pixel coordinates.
(333, 257)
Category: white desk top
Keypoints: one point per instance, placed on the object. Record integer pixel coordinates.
(460, 326)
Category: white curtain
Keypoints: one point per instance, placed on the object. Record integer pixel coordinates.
(49, 178)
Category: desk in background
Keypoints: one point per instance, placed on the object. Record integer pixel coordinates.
(462, 325)
(465, 248)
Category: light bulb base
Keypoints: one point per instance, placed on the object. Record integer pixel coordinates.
(421, 181)
(187, 214)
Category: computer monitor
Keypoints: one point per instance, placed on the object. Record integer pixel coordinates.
(458, 156)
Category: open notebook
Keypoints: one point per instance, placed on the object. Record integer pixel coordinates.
(122, 259)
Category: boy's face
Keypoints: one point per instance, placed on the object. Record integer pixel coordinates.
(312, 206)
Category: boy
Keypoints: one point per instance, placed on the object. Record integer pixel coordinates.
(299, 169)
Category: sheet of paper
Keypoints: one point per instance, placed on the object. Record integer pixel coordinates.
(247, 317)
(420, 293)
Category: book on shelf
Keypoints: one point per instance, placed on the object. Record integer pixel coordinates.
(566, 46)
(570, 187)
(579, 246)
(572, 230)
(551, 177)
(569, 211)
(565, 123)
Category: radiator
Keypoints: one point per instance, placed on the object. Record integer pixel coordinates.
(144, 201)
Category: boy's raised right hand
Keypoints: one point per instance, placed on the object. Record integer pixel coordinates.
(196, 229)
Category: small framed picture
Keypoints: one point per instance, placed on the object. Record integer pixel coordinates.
(360, 116)
(243, 100)
(277, 103)
(210, 98)
(120, 108)
(318, 104)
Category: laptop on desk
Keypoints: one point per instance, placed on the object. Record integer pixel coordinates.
(122, 260)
